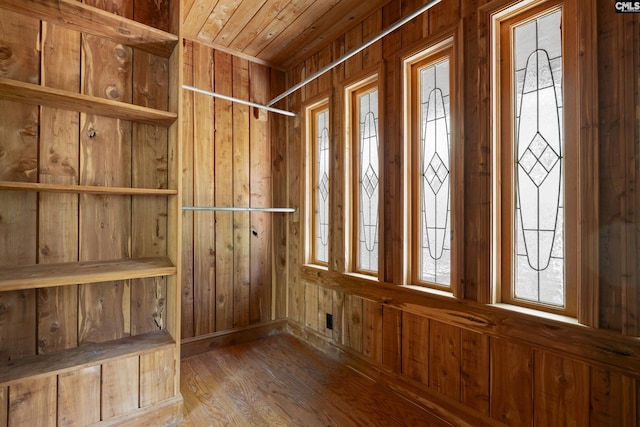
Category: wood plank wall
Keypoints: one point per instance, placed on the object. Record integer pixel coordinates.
(481, 364)
(48, 145)
(228, 260)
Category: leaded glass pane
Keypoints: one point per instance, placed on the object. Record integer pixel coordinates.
(322, 190)
(539, 266)
(369, 171)
(435, 196)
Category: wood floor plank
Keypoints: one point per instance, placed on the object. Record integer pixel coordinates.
(280, 380)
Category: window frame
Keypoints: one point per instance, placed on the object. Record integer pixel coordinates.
(503, 145)
(352, 136)
(311, 111)
(445, 45)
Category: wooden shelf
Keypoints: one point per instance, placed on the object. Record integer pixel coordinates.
(84, 189)
(63, 274)
(29, 93)
(91, 20)
(85, 355)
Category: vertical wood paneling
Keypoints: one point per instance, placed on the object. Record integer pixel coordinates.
(311, 306)
(605, 399)
(58, 213)
(352, 40)
(443, 16)
(280, 223)
(415, 347)
(561, 395)
(353, 328)
(187, 126)
(511, 369)
(223, 84)
(392, 153)
(417, 28)
(324, 58)
(259, 161)
(372, 330)
(157, 376)
(79, 397)
(611, 108)
(444, 359)
(294, 189)
(338, 316)
(152, 12)
(392, 339)
(4, 406)
(105, 159)
(477, 151)
(33, 403)
(204, 246)
(241, 196)
(18, 162)
(371, 27)
(120, 382)
(149, 170)
(474, 371)
(325, 305)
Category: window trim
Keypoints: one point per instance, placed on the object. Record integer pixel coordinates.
(503, 206)
(310, 110)
(437, 47)
(352, 187)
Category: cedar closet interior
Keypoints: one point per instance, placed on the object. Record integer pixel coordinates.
(442, 195)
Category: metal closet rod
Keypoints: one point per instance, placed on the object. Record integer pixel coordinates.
(362, 47)
(239, 101)
(237, 209)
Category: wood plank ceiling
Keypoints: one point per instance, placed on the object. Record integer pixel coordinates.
(279, 33)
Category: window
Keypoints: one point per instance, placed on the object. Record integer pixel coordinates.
(318, 143)
(430, 89)
(536, 159)
(365, 175)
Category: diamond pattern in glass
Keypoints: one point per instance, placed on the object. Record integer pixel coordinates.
(436, 173)
(538, 159)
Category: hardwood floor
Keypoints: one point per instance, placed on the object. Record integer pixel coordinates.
(281, 381)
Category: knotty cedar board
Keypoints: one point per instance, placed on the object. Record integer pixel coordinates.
(204, 189)
(261, 233)
(149, 170)
(79, 397)
(224, 191)
(278, 124)
(120, 382)
(18, 210)
(296, 309)
(105, 159)
(187, 274)
(415, 348)
(241, 186)
(59, 163)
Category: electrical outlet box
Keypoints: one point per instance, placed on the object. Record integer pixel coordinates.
(329, 321)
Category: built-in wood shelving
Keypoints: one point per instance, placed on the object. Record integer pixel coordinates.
(91, 20)
(85, 355)
(85, 189)
(64, 274)
(30, 93)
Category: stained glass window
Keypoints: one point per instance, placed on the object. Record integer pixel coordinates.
(369, 174)
(321, 201)
(434, 174)
(538, 158)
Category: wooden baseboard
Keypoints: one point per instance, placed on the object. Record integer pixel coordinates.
(167, 413)
(204, 343)
(442, 406)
